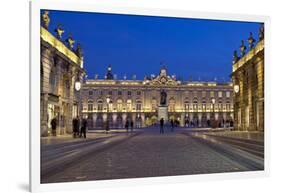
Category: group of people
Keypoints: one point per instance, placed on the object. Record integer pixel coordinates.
(77, 130)
(173, 124)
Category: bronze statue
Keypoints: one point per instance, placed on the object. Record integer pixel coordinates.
(242, 48)
(235, 57)
(45, 19)
(59, 31)
(79, 51)
(163, 97)
(70, 42)
(251, 41)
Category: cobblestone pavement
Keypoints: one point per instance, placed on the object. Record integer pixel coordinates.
(146, 155)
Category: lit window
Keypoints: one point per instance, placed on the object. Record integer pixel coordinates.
(227, 94)
(220, 94)
(100, 105)
(212, 94)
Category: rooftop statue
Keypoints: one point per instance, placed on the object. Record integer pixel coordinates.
(251, 41)
(235, 57)
(45, 19)
(70, 42)
(59, 31)
(242, 48)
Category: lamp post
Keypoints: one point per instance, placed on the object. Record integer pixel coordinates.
(213, 102)
(236, 89)
(107, 117)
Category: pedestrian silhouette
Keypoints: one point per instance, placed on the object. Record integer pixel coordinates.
(162, 126)
(83, 128)
(172, 125)
(75, 125)
(132, 126)
(54, 126)
(127, 125)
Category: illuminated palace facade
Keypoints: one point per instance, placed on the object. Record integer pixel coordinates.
(248, 80)
(116, 101)
(61, 70)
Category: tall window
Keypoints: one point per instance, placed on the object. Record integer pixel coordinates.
(129, 93)
(227, 94)
(52, 82)
(129, 105)
(90, 92)
(203, 94)
(119, 92)
(153, 104)
(203, 106)
(195, 105)
(138, 106)
(212, 94)
(90, 105)
(220, 94)
(186, 106)
(227, 106)
(119, 105)
(172, 105)
(138, 92)
(100, 105)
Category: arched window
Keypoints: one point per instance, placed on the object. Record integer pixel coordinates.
(129, 105)
(90, 105)
(119, 105)
(186, 105)
(100, 105)
(195, 104)
(203, 106)
(138, 105)
(153, 104)
(172, 104)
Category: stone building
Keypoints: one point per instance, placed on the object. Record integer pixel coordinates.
(113, 101)
(61, 76)
(248, 80)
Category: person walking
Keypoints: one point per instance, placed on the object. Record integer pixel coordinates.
(172, 125)
(161, 126)
(54, 126)
(75, 125)
(83, 128)
(132, 125)
(127, 125)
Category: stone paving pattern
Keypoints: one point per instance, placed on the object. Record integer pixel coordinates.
(147, 155)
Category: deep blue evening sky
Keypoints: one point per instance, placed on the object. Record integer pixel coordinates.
(138, 44)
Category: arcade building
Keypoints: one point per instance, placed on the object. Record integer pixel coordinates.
(112, 102)
(61, 78)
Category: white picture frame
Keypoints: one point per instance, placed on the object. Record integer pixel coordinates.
(35, 8)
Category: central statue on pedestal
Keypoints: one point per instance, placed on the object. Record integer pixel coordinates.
(163, 97)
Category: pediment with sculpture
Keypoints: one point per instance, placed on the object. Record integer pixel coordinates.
(163, 79)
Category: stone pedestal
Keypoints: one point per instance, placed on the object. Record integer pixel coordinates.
(163, 113)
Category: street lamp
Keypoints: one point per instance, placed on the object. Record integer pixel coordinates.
(213, 102)
(107, 121)
(236, 88)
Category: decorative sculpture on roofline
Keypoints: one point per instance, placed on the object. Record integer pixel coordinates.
(45, 19)
(70, 42)
(79, 51)
(59, 31)
(261, 32)
(235, 57)
(251, 41)
(242, 48)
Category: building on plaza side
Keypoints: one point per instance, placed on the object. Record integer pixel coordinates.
(248, 80)
(195, 103)
(61, 76)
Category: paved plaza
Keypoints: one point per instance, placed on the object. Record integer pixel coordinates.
(142, 153)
